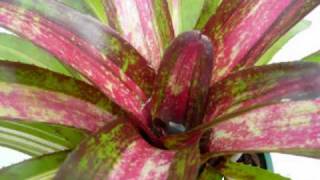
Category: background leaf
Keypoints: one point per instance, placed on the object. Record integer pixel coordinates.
(244, 172)
(43, 167)
(185, 14)
(14, 48)
(36, 139)
(268, 55)
(208, 10)
(314, 57)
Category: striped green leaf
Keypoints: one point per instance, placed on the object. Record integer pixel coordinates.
(36, 138)
(43, 167)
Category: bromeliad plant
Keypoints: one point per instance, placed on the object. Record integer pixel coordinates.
(141, 96)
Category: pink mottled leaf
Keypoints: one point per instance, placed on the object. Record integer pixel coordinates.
(35, 94)
(119, 152)
(182, 84)
(146, 24)
(241, 31)
(253, 88)
(74, 51)
(97, 40)
(263, 85)
(291, 127)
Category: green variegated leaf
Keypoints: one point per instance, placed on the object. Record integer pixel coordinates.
(43, 167)
(314, 57)
(13, 48)
(268, 55)
(119, 152)
(38, 138)
(240, 171)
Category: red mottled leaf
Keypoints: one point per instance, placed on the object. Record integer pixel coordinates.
(182, 84)
(67, 46)
(97, 40)
(253, 88)
(35, 94)
(292, 127)
(241, 31)
(263, 85)
(245, 172)
(145, 24)
(119, 152)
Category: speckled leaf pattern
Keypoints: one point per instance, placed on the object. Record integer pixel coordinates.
(35, 139)
(245, 172)
(242, 30)
(68, 47)
(92, 37)
(291, 127)
(119, 152)
(182, 86)
(146, 24)
(253, 88)
(43, 167)
(31, 93)
(262, 85)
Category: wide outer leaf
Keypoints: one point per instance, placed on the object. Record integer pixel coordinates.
(34, 138)
(262, 85)
(68, 47)
(92, 37)
(291, 127)
(242, 30)
(240, 171)
(43, 167)
(146, 24)
(119, 152)
(182, 84)
(31, 93)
